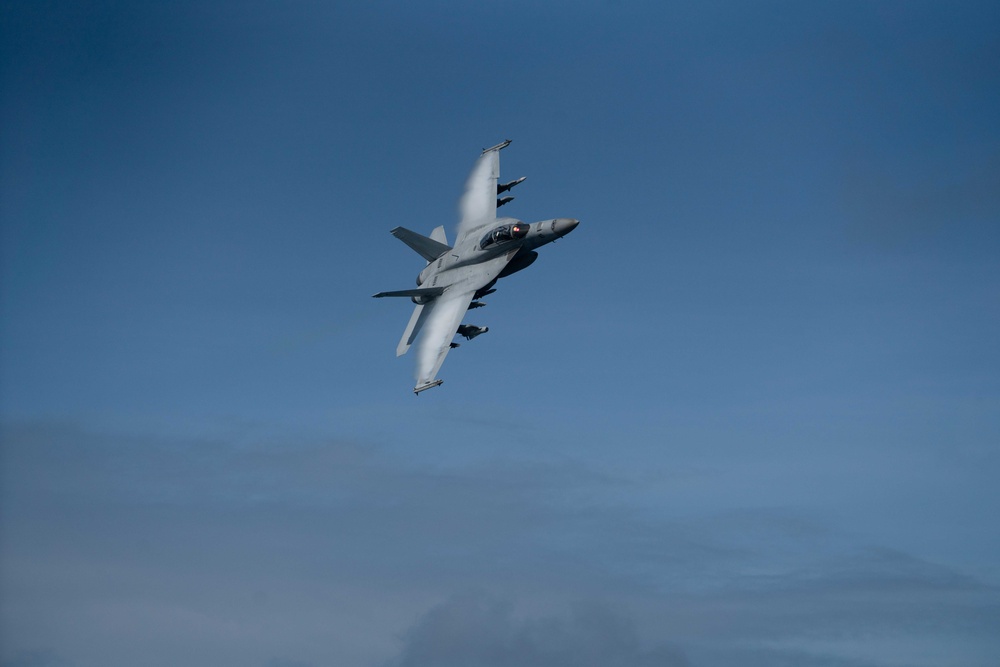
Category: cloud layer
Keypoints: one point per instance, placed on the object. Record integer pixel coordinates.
(215, 552)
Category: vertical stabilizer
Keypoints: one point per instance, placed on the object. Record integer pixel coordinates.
(426, 247)
(439, 235)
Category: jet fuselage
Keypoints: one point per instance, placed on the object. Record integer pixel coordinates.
(447, 269)
(457, 276)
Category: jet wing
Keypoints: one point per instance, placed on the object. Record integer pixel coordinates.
(478, 206)
(442, 321)
(442, 316)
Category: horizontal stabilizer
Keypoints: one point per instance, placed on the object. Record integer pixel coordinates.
(417, 291)
(427, 248)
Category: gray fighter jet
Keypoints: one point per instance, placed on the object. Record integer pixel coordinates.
(486, 249)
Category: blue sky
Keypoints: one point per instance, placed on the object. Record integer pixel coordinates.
(748, 413)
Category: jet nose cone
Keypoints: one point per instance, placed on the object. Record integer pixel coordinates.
(564, 226)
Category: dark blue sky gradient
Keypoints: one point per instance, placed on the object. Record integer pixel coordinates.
(747, 413)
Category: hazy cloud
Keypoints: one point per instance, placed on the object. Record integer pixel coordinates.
(34, 659)
(477, 631)
(319, 551)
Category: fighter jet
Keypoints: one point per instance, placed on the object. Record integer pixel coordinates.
(457, 277)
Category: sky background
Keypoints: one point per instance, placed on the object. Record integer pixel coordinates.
(748, 413)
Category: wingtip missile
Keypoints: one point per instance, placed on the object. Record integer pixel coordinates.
(503, 144)
(426, 386)
(504, 200)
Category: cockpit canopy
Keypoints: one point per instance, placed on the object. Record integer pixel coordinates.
(504, 233)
